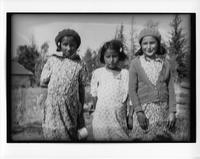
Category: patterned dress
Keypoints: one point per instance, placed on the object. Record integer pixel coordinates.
(63, 109)
(156, 112)
(111, 89)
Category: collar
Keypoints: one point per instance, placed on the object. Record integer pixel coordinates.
(74, 57)
(156, 59)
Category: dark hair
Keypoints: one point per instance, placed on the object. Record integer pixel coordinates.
(67, 32)
(115, 45)
(161, 49)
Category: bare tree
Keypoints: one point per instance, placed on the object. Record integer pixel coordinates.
(40, 62)
(91, 62)
(119, 35)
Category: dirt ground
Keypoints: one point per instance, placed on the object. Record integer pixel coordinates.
(33, 131)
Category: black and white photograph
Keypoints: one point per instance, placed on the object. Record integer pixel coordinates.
(101, 77)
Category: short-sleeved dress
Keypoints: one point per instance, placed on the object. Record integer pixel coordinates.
(63, 114)
(111, 89)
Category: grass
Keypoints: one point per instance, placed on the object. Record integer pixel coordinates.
(27, 115)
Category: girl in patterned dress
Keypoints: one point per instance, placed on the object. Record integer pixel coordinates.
(63, 112)
(151, 90)
(109, 88)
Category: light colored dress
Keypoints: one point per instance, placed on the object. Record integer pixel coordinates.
(63, 110)
(156, 112)
(111, 89)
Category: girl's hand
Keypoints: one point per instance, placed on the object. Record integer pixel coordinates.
(171, 120)
(130, 122)
(43, 85)
(143, 121)
(91, 108)
(93, 105)
(82, 133)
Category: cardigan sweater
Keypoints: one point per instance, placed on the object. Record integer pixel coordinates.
(141, 89)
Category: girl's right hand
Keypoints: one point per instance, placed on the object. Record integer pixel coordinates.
(93, 105)
(130, 122)
(143, 121)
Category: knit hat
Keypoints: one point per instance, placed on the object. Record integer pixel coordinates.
(149, 32)
(67, 32)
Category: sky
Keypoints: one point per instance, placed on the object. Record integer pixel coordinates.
(94, 29)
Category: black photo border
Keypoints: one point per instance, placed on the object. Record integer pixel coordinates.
(193, 112)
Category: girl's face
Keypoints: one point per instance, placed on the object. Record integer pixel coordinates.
(111, 59)
(68, 46)
(149, 46)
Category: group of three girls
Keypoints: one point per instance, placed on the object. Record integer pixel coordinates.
(146, 91)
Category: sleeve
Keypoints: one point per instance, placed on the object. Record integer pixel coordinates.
(46, 74)
(94, 84)
(133, 84)
(172, 97)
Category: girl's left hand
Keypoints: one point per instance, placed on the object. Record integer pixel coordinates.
(82, 134)
(171, 120)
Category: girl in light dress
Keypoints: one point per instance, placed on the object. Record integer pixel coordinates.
(109, 88)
